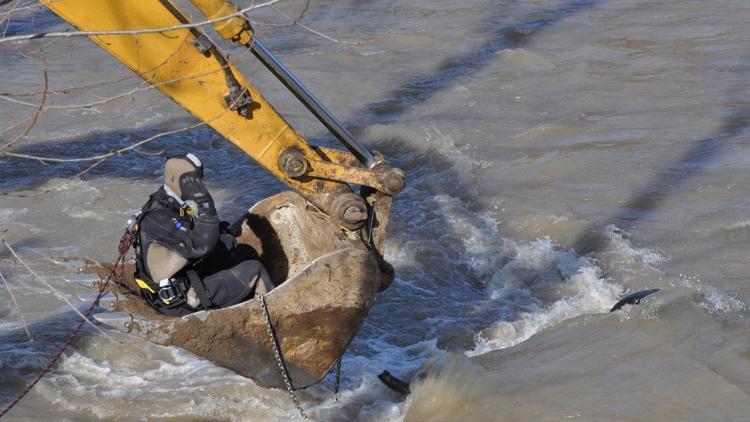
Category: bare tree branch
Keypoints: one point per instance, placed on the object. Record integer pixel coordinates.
(6, 19)
(91, 167)
(15, 125)
(106, 100)
(49, 286)
(38, 35)
(67, 90)
(39, 111)
(133, 147)
(27, 6)
(19, 102)
(148, 154)
(299, 23)
(46, 160)
(18, 307)
(299, 18)
(101, 157)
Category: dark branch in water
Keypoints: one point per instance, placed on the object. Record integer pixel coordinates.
(633, 299)
(394, 383)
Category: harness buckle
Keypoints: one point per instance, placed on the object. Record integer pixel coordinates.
(170, 293)
(133, 222)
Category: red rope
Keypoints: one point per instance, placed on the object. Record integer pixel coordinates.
(123, 247)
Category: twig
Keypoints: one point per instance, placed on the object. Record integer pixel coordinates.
(27, 6)
(103, 101)
(45, 160)
(301, 14)
(106, 100)
(101, 157)
(49, 286)
(107, 155)
(149, 154)
(19, 102)
(66, 91)
(39, 111)
(15, 125)
(91, 167)
(6, 19)
(38, 35)
(299, 18)
(299, 23)
(12, 296)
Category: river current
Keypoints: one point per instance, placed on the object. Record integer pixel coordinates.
(558, 154)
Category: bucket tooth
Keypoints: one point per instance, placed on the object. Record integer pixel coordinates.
(121, 321)
(108, 300)
(89, 279)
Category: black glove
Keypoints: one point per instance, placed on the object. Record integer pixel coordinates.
(193, 190)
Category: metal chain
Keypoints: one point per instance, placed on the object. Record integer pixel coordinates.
(279, 358)
(116, 273)
(338, 382)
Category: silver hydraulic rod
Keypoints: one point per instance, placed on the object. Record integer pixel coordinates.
(311, 102)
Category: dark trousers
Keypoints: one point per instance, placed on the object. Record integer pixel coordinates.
(225, 281)
(237, 284)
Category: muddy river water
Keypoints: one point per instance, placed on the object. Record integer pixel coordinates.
(559, 154)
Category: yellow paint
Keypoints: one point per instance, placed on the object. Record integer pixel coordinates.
(143, 285)
(170, 62)
(234, 29)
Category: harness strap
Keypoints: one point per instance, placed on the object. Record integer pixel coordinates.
(154, 203)
(200, 289)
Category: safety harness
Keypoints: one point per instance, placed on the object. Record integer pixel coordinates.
(172, 292)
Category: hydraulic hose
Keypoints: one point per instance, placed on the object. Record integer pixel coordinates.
(311, 102)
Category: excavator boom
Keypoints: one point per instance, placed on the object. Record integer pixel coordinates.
(185, 65)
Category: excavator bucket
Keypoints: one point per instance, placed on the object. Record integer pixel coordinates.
(326, 283)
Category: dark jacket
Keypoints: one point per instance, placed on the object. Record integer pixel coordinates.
(191, 237)
(164, 221)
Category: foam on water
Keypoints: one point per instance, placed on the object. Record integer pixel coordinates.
(9, 215)
(715, 301)
(149, 375)
(523, 287)
(451, 380)
(621, 247)
(543, 286)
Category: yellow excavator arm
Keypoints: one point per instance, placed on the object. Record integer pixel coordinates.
(183, 63)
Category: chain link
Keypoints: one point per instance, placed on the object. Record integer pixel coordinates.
(279, 359)
(116, 274)
(338, 381)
